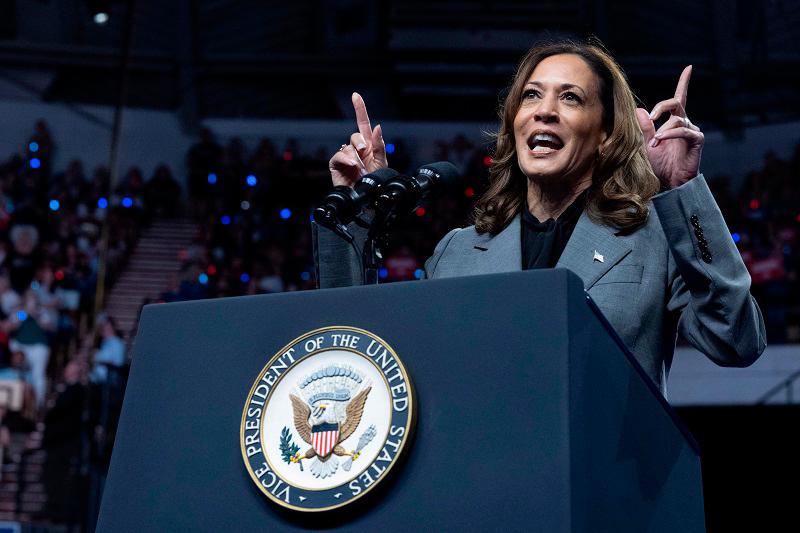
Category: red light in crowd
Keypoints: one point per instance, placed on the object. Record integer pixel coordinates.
(754, 204)
(288, 155)
(59, 275)
(487, 161)
(212, 269)
(798, 218)
(469, 192)
(420, 211)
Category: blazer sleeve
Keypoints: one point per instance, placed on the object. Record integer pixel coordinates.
(338, 263)
(709, 284)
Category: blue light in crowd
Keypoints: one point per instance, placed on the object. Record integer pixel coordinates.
(418, 273)
(383, 273)
(102, 203)
(252, 180)
(33, 147)
(212, 178)
(203, 278)
(127, 202)
(285, 213)
(22, 316)
(35, 285)
(305, 276)
(736, 237)
(54, 205)
(390, 148)
(225, 220)
(35, 162)
(245, 277)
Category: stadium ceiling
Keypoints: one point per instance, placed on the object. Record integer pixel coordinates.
(414, 60)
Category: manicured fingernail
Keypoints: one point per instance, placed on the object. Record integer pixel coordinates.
(653, 143)
(380, 131)
(360, 146)
(652, 114)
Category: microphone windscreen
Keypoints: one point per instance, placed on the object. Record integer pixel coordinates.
(444, 170)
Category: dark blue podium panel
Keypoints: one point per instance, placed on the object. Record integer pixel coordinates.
(530, 414)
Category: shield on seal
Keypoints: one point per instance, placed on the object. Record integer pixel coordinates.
(324, 437)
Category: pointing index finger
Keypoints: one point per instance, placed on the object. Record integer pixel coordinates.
(362, 118)
(683, 85)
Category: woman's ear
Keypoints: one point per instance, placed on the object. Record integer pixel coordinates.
(604, 143)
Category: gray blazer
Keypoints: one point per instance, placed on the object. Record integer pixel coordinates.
(679, 272)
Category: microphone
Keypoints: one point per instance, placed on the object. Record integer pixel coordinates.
(404, 193)
(343, 204)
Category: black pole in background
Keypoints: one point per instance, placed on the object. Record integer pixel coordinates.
(124, 78)
(95, 474)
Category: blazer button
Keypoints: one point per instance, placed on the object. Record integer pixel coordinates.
(706, 256)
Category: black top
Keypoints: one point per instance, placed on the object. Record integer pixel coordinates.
(543, 242)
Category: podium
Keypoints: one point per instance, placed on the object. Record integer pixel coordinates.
(531, 414)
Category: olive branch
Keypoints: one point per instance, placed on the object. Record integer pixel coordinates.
(289, 448)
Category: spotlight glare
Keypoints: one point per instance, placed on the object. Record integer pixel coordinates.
(100, 18)
(286, 213)
(33, 146)
(102, 203)
(252, 180)
(54, 205)
(127, 202)
(35, 162)
(212, 178)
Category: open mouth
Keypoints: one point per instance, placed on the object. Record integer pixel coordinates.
(545, 143)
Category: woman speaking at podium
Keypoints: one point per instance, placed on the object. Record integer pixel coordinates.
(581, 179)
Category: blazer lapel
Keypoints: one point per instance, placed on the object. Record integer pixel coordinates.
(501, 253)
(592, 250)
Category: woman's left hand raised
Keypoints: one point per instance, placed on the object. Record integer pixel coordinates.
(674, 150)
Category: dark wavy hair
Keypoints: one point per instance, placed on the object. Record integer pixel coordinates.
(623, 180)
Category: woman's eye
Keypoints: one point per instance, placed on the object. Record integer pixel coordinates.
(530, 93)
(571, 97)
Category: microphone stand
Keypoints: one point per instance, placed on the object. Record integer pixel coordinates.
(377, 236)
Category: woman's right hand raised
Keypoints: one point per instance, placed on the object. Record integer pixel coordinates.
(366, 152)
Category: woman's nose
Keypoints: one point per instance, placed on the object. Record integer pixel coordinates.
(546, 111)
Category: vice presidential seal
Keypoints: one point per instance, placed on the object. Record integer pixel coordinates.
(327, 419)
